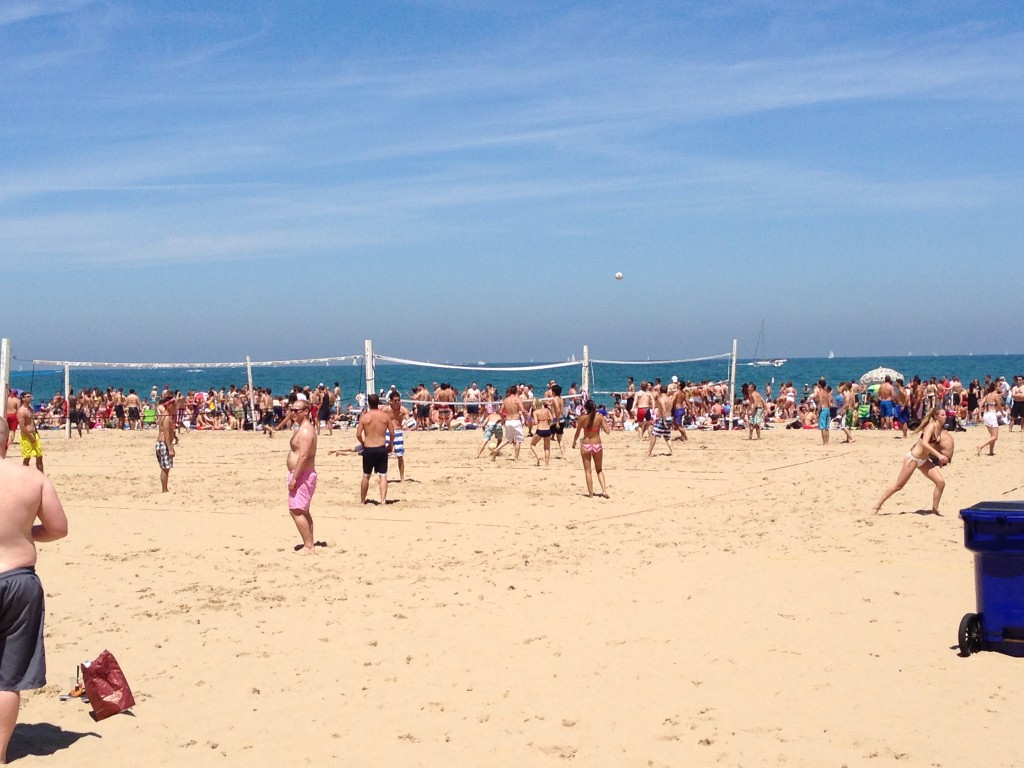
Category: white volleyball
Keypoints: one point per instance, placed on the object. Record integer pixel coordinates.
(618, 275)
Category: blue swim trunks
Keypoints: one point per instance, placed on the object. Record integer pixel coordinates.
(888, 409)
(824, 419)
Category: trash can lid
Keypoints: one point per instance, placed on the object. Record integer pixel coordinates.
(990, 510)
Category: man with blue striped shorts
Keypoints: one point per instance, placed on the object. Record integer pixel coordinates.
(398, 414)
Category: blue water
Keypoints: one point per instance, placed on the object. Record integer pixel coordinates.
(606, 378)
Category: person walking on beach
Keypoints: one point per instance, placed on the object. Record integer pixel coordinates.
(377, 437)
(591, 423)
(934, 449)
(991, 407)
(515, 415)
(31, 445)
(822, 399)
(28, 496)
(302, 474)
(165, 425)
(662, 426)
(398, 413)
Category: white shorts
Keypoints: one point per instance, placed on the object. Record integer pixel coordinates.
(990, 419)
(513, 431)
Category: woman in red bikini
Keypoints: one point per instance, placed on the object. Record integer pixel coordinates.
(591, 423)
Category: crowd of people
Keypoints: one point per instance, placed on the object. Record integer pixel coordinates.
(930, 409)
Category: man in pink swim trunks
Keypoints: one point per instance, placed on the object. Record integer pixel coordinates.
(302, 474)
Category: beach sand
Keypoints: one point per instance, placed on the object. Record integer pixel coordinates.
(734, 604)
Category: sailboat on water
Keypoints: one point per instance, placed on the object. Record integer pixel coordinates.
(759, 362)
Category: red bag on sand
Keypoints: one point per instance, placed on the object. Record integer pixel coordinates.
(106, 687)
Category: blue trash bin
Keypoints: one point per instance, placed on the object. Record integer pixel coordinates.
(994, 532)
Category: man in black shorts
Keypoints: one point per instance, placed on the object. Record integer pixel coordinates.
(1017, 404)
(28, 497)
(377, 436)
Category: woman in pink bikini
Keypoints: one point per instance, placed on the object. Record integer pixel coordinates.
(590, 424)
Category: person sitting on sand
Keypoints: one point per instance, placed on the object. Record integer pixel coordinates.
(933, 449)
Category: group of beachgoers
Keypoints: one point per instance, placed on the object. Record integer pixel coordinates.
(656, 411)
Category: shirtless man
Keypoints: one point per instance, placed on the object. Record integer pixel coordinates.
(515, 414)
(848, 411)
(885, 403)
(165, 425)
(398, 413)
(421, 404)
(679, 411)
(302, 474)
(755, 419)
(76, 411)
(630, 396)
(644, 404)
(377, 437)
(445, 398)
(119, 408)
(134, 405)
(31, 445)
(663, 425)
(28, 496)
(472, 398)
(1017, 402)
(822, 399)
(559, 413)
(13, 402)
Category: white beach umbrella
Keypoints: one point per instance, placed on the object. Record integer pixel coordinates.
(877, 375)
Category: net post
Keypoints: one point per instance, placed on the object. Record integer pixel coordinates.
(368, 367)
(67, 400)
(585, 372)
(252, 396)
(732, 386)
(5, 369)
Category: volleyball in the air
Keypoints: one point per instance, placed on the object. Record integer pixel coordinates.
(618, 275)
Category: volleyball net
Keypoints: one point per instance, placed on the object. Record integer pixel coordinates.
(55, 375)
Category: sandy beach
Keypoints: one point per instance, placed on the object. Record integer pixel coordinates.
(734, 604)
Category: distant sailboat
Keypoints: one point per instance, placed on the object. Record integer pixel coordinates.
(758, 362)
(831, 354)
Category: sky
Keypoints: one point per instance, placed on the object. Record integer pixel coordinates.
(460, 180)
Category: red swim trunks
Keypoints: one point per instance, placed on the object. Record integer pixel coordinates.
(12, 421)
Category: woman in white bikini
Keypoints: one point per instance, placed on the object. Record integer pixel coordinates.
(991, 407)
(933, 449)
(591, 423)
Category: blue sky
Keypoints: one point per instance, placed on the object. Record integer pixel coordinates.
(460, 180)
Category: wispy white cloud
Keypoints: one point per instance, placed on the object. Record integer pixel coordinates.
(18, 11)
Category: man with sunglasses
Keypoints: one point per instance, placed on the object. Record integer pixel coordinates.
(302, 473)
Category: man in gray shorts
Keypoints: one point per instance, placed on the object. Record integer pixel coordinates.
(28, 496)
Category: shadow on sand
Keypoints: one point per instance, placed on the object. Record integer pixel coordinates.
(41, 739)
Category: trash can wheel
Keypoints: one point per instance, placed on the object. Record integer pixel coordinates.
(970, 634)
